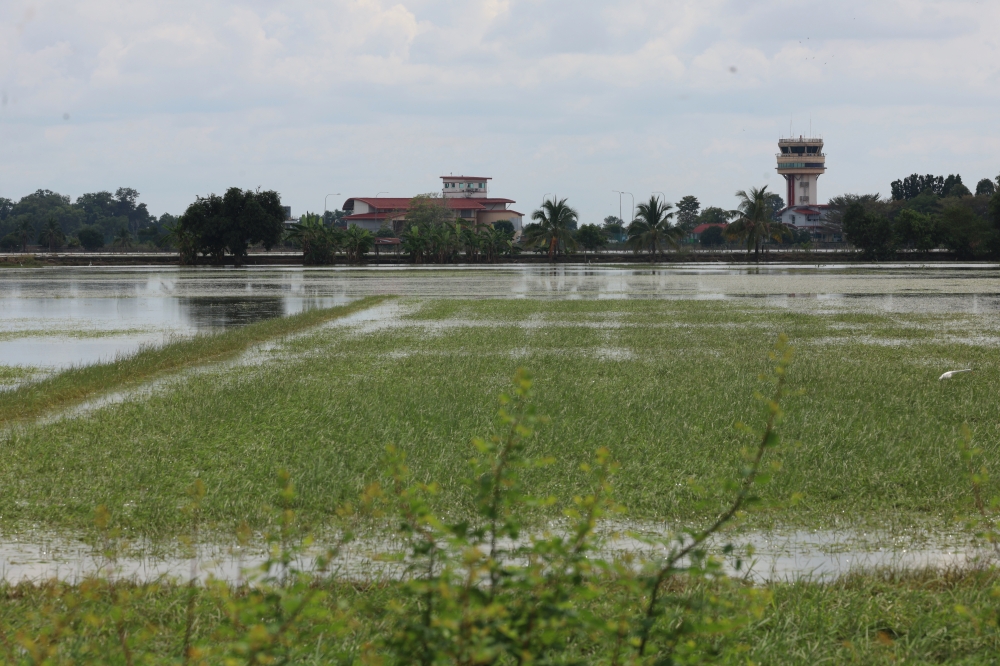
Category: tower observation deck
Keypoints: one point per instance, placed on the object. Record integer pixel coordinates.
(801, 161)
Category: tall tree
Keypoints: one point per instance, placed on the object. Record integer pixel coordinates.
(652, 227)
(52, 235)
(687, 212)
(556, 221)
(985, 187)
(233, 222)
(869, 230)
(755, 222)
(590, 237)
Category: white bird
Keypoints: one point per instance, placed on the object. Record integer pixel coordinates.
(952, 373)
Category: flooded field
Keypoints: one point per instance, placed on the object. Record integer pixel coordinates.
(57, 317)
(595, 335)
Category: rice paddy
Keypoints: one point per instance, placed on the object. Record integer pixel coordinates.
(863, 522)
(871, 440)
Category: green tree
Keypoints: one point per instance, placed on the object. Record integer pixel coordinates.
(652, 228)
(968, 235)
(614, 228)
(52, 235)
(715, 215)
(556, 221)
(919, 230)
(687, 212)
(122, 240)
(24, 233)
(755, 222)
(416, 242)
(994, 210)
(319, 243)
(985, 187)
(590, 237)
(497, 240)
(91, 238)
(870, 231)
(233, 222)
(953, 187)
(357, 243)
(504, 225)
(713, 236)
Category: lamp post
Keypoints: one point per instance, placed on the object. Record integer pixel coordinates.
(335, 194)
(376, 196)
(543, 197)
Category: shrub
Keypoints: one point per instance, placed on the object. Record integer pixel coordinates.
(91, 238)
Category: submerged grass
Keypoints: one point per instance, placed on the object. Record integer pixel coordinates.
(660, 383)
(77, 384)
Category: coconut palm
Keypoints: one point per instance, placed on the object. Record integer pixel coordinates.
(52, 235)
(652, 227)
(24, 234)
(755, 222)
(122, 240)
(555, 221)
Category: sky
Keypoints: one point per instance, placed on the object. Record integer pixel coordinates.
(574, 98)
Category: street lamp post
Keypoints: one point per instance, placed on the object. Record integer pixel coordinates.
(335, 194)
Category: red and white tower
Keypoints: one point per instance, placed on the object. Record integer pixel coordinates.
(801, 161)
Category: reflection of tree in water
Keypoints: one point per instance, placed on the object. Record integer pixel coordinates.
(229, 312)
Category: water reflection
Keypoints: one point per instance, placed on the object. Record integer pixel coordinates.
(206, 312)
(53, 309)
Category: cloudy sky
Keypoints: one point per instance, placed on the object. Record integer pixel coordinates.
(570, 97)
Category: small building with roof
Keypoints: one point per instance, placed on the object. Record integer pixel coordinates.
(467, 196)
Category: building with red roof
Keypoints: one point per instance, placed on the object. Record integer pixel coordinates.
(467, 196)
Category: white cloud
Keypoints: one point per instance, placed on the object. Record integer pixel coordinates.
(575, 96)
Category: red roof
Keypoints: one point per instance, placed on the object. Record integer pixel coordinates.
(373, 216)
(398, 203)
(469, 177)
(701, 227)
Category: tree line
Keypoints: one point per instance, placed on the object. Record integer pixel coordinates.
(924, 213)
(92, 221)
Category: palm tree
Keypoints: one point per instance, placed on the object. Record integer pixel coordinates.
(358, 242)
(319, 242)
(24, 234)
(755, 222)
(123, 240)
(652, 227)
(415, 242)
(555, 220)
(52, 235)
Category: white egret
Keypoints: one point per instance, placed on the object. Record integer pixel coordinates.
(952, 373)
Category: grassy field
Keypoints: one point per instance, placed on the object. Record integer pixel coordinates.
(871, 441)
(861, 619)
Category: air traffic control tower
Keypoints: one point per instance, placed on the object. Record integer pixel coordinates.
(801, 161)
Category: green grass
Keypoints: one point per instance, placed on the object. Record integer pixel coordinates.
(661, 383)
(77, 384)
(880, 618)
